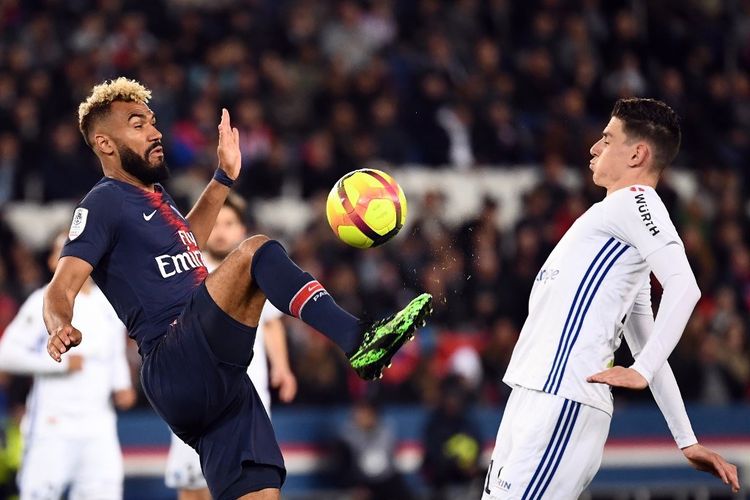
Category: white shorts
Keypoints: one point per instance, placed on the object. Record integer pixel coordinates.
(183, 467)
(91, 466)
(547, 447)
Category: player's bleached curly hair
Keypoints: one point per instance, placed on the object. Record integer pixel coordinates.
(97, 103)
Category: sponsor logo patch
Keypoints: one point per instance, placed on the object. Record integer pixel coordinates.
(170, 265)
(502, 483)
(78, 224)
(640, 201)
(546, 275)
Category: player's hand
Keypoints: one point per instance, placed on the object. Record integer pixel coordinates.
(709, 461)
(228, 150)
(619, 376)
(75, 363)
(124, 399)
(286, 383)
(61, 340)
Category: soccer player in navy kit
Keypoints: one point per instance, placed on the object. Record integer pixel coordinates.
(194, 330)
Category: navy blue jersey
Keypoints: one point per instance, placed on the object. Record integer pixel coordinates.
(145, 258)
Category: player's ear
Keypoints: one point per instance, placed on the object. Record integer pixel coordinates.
(639, 155)
(104, 144)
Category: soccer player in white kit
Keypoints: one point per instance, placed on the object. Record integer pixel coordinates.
(69, 429)
(593, 289)
(183, 471)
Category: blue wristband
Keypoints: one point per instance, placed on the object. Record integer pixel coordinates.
(222, 178)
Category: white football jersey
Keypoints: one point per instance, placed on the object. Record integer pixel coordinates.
(62, 403)
(584, 293)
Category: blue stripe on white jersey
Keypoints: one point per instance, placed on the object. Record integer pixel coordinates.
(550, 461)
(569, 336)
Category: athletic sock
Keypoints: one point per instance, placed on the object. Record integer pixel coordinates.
(297, 293)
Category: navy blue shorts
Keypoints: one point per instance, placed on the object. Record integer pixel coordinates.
(196, 379)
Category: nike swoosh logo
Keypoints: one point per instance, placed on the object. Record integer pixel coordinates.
(148, 217)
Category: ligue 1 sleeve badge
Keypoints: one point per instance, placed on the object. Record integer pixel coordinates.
(79, 223)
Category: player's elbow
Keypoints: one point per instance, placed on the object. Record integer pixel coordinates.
(692, 291)
(684, 284)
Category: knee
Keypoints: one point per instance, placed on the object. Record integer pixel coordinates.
(251, 245)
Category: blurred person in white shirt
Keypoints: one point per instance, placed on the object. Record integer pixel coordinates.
(69, 429)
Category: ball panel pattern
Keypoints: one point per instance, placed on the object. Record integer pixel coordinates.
(366, 208)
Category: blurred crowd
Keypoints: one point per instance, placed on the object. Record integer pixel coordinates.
(320, 88)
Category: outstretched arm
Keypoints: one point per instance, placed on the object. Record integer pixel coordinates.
(681, 293)
(203, 215)
(59, 298)
(667, 396)
(664, 387)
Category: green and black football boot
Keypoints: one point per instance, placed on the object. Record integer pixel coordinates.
(381, 339)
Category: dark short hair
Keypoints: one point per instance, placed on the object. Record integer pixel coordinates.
(237, 204)
(653, 121)
(87, 123)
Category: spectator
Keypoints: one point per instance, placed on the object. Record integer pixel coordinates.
(9, 166)
(366, 456)
(320, 370)
(68, 173)
(344, 39)
(391, 141)
(452, 445)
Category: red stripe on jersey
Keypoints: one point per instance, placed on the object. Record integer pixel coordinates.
(178, 223)
(302, 296)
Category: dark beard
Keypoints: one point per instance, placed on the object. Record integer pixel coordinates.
(140, 168)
